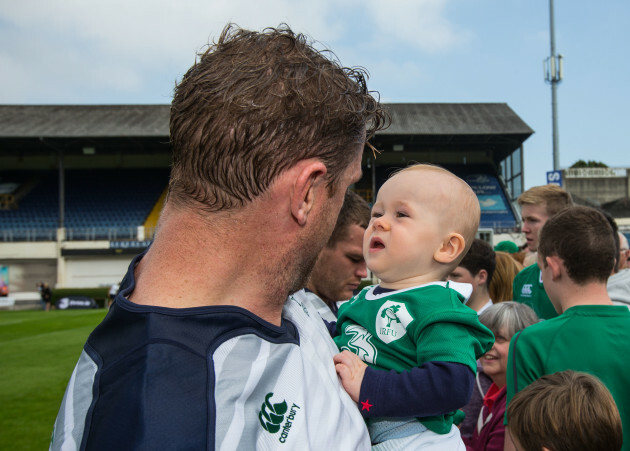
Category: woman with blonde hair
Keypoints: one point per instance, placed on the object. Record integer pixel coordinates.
(506, 269)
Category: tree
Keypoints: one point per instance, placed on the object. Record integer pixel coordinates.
(589, 164)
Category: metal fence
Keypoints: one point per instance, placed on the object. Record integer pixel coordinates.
(72, 234)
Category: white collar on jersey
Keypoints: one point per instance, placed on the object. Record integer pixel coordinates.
(464, 289)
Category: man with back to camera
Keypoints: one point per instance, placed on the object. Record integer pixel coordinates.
(477, 268)
(538, 204)
(618, 284)
(340, 266)
(576, 255)
(203, 348)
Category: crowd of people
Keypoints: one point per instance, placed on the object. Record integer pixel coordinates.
(243, 326)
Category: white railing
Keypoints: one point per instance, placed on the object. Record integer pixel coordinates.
(71, 234)
(595, 172)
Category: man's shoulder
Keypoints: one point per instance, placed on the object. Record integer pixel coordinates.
(306, 298)
(527, 286)
(544, 331)
(130, 326)
(529, 272)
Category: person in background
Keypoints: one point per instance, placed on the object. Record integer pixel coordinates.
(340, 266)
(538, 204)
(521, 254)
(4, 288)
(624, 252)
(618, 284)
(476, 268)
(507, 246)
(504, 320)
(576, 255)
(206, 346)
(567, 410)
(502, 282)
(46, 295)
(113, 291)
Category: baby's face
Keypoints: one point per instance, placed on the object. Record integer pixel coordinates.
(406, 228)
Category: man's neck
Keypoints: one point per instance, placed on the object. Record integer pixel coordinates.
(196, 262)
(311, 288)
(478, 299)
(594, 293)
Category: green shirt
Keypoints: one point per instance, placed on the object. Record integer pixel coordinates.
(528, 289)
(403, 329)
(593, 339)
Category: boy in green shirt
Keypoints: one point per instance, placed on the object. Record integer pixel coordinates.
(538, 204)
(576, 255)
(423, 222)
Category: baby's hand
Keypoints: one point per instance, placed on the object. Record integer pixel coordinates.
(350, 369)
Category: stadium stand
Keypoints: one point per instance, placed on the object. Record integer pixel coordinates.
(100, 204)
(110, 165)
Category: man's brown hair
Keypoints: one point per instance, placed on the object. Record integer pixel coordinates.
(355, 210)
(256, 103)
(583, 239)
(565, 411)
(552, 197)
(480, 256)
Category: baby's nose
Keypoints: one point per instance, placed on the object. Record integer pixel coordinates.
(381, 223)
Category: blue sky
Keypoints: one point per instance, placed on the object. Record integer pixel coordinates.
(132, 52)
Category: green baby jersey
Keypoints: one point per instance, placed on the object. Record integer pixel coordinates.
(403, 329)
(528, 289)
(590, 338)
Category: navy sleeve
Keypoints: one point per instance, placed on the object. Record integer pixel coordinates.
(332, 327)
(435, 388)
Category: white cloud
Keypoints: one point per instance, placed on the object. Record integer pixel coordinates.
(148, 29)
(419, 23)
(75, 46)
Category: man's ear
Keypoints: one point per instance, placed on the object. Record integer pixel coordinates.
(452, 246)
(482, 276)
(557, 266)
(310, 175)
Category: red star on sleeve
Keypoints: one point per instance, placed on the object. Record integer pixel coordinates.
(365, 405)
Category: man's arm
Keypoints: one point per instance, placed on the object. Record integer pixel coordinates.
(524, 364)
(523, 368)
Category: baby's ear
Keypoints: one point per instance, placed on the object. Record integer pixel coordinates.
(452, 246)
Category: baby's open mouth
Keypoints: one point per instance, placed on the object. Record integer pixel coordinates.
(377, 243)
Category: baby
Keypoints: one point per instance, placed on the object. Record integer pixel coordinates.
(418, 339)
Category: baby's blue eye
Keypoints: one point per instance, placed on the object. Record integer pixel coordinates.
(401, 214)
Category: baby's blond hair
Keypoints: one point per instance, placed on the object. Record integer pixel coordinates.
(461, 213)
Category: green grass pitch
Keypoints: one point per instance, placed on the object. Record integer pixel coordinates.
(38, 351)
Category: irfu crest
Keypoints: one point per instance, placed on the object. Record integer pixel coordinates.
(392, 320)
(390, 314)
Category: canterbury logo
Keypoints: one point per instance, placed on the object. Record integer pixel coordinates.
(271, 415)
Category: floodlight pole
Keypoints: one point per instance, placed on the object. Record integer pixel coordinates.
(553, 75)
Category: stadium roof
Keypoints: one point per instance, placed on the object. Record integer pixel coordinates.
(619, 208)
(454, 119)
(116, 121)
(83, 121)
